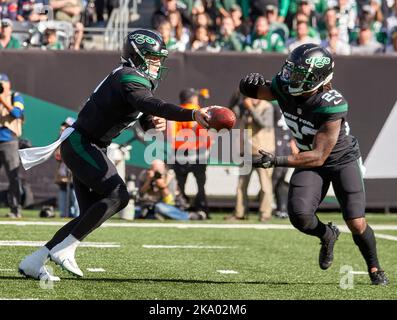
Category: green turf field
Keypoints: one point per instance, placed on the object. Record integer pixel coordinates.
(262, 263)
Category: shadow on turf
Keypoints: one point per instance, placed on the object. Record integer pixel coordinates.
(190, 281)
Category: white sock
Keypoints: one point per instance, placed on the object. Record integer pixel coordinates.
(69, 243)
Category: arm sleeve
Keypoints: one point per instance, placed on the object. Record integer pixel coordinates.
(141, 98)
(18, 106)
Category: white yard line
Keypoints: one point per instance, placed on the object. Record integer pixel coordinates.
(19, 299)
(21, 243)
(187, 246)
(359, 272)
(379, 227)
(8, 270)
(385, 236)
(227, 271)
(96, 270)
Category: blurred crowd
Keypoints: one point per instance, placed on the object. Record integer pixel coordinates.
(343, 26)
(254, 26)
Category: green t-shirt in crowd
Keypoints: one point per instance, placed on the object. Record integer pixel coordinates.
(12, 44)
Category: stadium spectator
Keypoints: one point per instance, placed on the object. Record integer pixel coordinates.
(329, 21)
(346, 13)
(228, 39)
(275, 25)
(202, 19)
(50, 41)
(388, 7)
(301, 17)
(67, 10)
(190, 145)
(306, 7)
(302, 36)
(179, 33)
(67, 201)
(224, 7)
(334, 45)
(197, 7)
(70, 11)
(77, 41)
(372, 16)
(263, 40)
(241, 26)
(7, 41)
(157, 189)
(366, 44)
(168, 6)
(391, 18)
(32, 10)
(391, 49)
(257, 116)
(165, 29)
(201, 39)
(11, 120)
(8, 9)
(258, 7)
(100, 6)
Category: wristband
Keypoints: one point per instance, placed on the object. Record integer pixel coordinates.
(281, 161)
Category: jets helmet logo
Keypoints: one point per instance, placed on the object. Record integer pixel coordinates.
(141, 39)
(318, 62)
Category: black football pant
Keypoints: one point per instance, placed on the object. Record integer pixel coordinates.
(100, 191)
(308, 187)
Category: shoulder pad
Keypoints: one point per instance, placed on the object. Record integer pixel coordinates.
(331, 102)
(131, 75)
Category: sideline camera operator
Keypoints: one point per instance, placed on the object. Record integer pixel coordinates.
(156, 195)
(11, 119)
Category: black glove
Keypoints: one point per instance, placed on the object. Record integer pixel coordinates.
(265, 160)
(250, 84)
(268, 160)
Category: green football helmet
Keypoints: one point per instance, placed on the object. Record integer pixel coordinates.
(139, 45)
(307, 68)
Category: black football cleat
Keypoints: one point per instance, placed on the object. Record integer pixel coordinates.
(327, 247)
(378, 278)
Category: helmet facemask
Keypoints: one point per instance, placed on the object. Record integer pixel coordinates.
(150, 67)
(301, 79)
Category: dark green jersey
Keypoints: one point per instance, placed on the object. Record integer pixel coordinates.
(304, 116)
(122, 98)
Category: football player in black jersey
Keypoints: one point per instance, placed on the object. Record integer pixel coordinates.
(122, 98)
(317, 117)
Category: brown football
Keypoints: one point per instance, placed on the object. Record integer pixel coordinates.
(221, 118)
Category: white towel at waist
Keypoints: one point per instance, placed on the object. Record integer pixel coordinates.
(31, 157)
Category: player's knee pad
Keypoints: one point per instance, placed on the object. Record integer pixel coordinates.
(303, 222)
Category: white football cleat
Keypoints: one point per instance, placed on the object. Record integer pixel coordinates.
(33, 266)
(63, 255)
